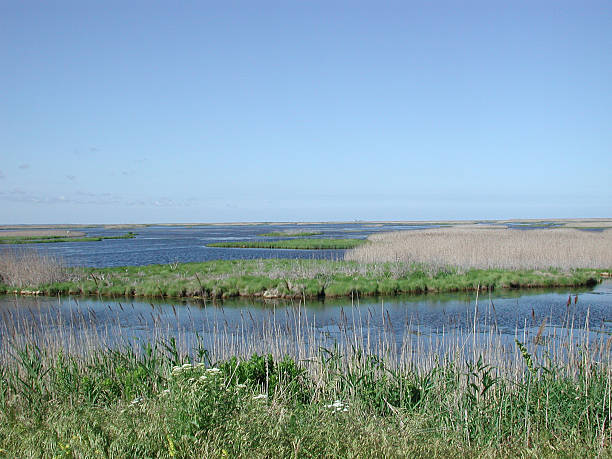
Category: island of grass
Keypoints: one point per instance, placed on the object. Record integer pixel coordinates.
(288, 278)
(57, 238)
(291, 234)
(299, 244)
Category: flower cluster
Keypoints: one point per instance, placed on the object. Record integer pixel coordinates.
(338, 405)
(188, 367)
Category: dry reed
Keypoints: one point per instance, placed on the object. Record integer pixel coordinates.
(485, 248)
(291, 332)
(20, 268)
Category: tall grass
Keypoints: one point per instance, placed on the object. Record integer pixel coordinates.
(484, 248)
(288, 388)
(291, 332)
(25, 268)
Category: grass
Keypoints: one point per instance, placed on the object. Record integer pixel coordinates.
(290, 391)
(52, 239)
(299, 244)
(275, 278)
(28, 267)
(484, 248)
(291, 233)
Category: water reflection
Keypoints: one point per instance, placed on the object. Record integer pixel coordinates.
(510, 313)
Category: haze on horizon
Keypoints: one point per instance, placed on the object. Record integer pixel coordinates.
(304, 111)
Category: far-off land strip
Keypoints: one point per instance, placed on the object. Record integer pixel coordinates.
(40, 233)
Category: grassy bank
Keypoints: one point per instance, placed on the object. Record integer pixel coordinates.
(299, 244)
(290, 233)
(52, 239)
(341, 399)
(290, 279)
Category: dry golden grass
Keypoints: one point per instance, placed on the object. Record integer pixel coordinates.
(20, 268)
(486, 248)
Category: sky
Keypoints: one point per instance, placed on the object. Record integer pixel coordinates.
(191, 111)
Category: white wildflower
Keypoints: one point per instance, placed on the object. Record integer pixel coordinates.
(241, 386)
(338, 405)
(213, 371)
(260, 397)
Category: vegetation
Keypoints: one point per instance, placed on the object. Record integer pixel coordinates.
(291, 233)
(547, 396)
(485, 248)
(300, 244)
(30, 268)
(51, 239)
(277, 278)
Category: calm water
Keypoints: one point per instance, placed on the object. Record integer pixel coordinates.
(511, 312)
(164, 244)
(167, 244)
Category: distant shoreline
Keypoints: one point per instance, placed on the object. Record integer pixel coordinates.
(41, 226)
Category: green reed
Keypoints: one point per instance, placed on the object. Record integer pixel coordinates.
(288, 390)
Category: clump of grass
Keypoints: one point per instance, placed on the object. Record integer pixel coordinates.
(484, 248)
(25, 268)
(299, 244)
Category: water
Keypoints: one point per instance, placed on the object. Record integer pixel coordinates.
(168, 244)
(513, 313)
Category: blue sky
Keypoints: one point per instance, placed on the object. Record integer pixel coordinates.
(291, 110)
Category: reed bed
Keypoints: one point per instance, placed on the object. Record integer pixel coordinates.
(485, 248)
(24, 268)
(288, 331)
(284, 387)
